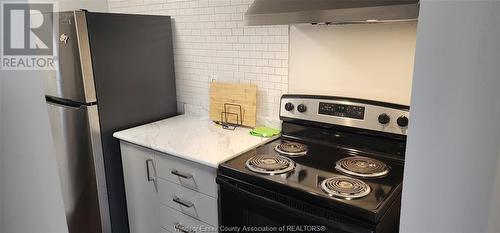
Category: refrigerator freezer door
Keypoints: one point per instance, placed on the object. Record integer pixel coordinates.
(75, 160)
(72, 79)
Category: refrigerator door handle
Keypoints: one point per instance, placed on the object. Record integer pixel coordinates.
(98, 156)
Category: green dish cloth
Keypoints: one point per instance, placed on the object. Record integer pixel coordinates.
(264, 132)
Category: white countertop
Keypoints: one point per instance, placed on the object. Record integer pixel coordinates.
(193, 138)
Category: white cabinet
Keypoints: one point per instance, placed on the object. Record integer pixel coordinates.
(140, 189)
(166, 193)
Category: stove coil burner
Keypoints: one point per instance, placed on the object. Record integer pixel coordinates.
(292, 149)
(345, 187)
(362, 166)
(270, 164)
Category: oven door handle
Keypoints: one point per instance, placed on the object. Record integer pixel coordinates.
(223, 182)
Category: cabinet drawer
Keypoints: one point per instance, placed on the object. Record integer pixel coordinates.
(175, 221)
(187, 201)
(186, 173)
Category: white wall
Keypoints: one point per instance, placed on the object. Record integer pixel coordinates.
(211, 41)
(452, 173)
(372, 61)
(91, 5)
(31, 192)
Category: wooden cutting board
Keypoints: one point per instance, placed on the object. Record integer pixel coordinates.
(233, 94)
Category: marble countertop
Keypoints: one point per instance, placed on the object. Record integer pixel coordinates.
(193, 138)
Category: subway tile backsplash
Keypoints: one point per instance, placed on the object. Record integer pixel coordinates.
(211, 42)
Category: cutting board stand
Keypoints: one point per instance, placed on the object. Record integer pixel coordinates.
(233, 104)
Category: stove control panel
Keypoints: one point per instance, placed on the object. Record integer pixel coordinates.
(364, 114)
(342, 110)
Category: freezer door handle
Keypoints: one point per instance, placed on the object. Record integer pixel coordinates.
(87, 71)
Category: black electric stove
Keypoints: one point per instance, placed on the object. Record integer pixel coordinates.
(338, 167)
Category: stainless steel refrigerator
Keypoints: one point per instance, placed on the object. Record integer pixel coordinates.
(113, 71)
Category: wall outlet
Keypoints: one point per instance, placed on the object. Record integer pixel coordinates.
(213, 77)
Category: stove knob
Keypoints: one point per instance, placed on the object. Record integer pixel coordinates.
(402, 121)
(301, 108)
(289, 106)
(383, 118)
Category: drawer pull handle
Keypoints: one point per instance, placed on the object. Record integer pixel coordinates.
(185, 203)
(182, 228)
(180, 174)
(148, 171)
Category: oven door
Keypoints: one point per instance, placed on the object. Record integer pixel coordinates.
(246, 205)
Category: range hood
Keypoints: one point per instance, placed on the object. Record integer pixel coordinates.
(281, 12)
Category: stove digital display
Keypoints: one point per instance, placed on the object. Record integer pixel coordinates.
(341, 110)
